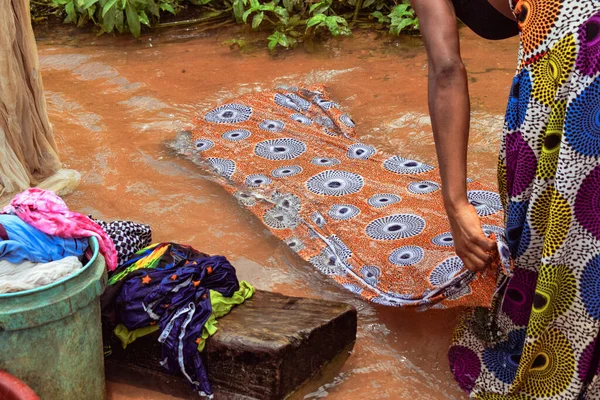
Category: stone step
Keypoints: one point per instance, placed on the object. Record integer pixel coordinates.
(266, 348)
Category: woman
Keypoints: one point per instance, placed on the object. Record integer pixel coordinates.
(539, 341)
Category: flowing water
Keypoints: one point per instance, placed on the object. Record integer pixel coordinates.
(116, 102)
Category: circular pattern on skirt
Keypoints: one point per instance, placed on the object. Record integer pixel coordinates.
(554, 294)
(346, 120)
(394, 227)
(295, 244)
(423, 187)
(318, 219)
(280, 149)
(446, 271)
(588, 59)
(236, 135)
(325, 161)
(585, 361)
(485, 202)
(223, 167)
(292, 101)
(551, 364)
(335, 183)
(587, 203)
(284, 172)
(517, 229)
(229, 114)
(302, 119)
(521, 164)
(328, 263)
(536, 20)
(359, 151)
(401, 165)
(518, 101)
(503, 359)
(324, 104)
(287, 201)
(383, 200)
(407, 255)
(519, 296)
(245, 198)
(278, 218)
(201, 145)
(465, 366)
(342, 212)
(325, 122)
(582, 124)
(370, 274)
(590, 287)
(341, 250)
(256, 180)
(443, 239)
(271, 125)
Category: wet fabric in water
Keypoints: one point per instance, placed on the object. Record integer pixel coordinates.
(372, 221)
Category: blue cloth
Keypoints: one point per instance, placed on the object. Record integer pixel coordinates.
(178, 300)
(26, 243)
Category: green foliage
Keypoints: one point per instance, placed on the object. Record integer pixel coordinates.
(290, 21)
(111, 15)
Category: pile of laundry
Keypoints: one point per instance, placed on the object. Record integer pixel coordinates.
(166, 287)
(42, 241)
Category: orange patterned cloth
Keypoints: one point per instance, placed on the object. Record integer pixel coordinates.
(372, 221)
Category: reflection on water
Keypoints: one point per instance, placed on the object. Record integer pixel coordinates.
(116, 103)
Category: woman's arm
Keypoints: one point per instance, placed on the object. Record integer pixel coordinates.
(449, 106)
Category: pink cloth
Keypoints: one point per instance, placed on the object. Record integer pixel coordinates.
(47, 212)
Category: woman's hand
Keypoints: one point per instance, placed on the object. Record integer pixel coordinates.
(470, 243)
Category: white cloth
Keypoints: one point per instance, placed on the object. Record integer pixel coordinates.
(28, 275)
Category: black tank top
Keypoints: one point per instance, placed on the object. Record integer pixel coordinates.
(483, 19)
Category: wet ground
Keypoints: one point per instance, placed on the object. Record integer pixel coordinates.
(116, 102)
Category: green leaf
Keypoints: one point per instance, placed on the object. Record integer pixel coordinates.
(246, 14)
(317, 19)
(332, 25)
(254, 4)
(71, 14)
(88, 3)
(289, 5)
(257, 20)
(382, 19)
(273, 40)
(367, 3)
(108, 19)
(238, 10)
(132, 20)
(123, 4)
(119, 21)
(143, 18)
(314, 7)
(153, 8)
(283, 40)
(167, 7)
(404, 23)
(107, 7)
(283, 14)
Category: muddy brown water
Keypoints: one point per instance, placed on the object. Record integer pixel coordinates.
(115, 102)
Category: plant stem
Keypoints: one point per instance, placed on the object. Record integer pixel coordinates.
(359, 4)
(189, 22)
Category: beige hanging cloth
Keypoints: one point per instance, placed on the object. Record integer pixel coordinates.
(28, 151)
